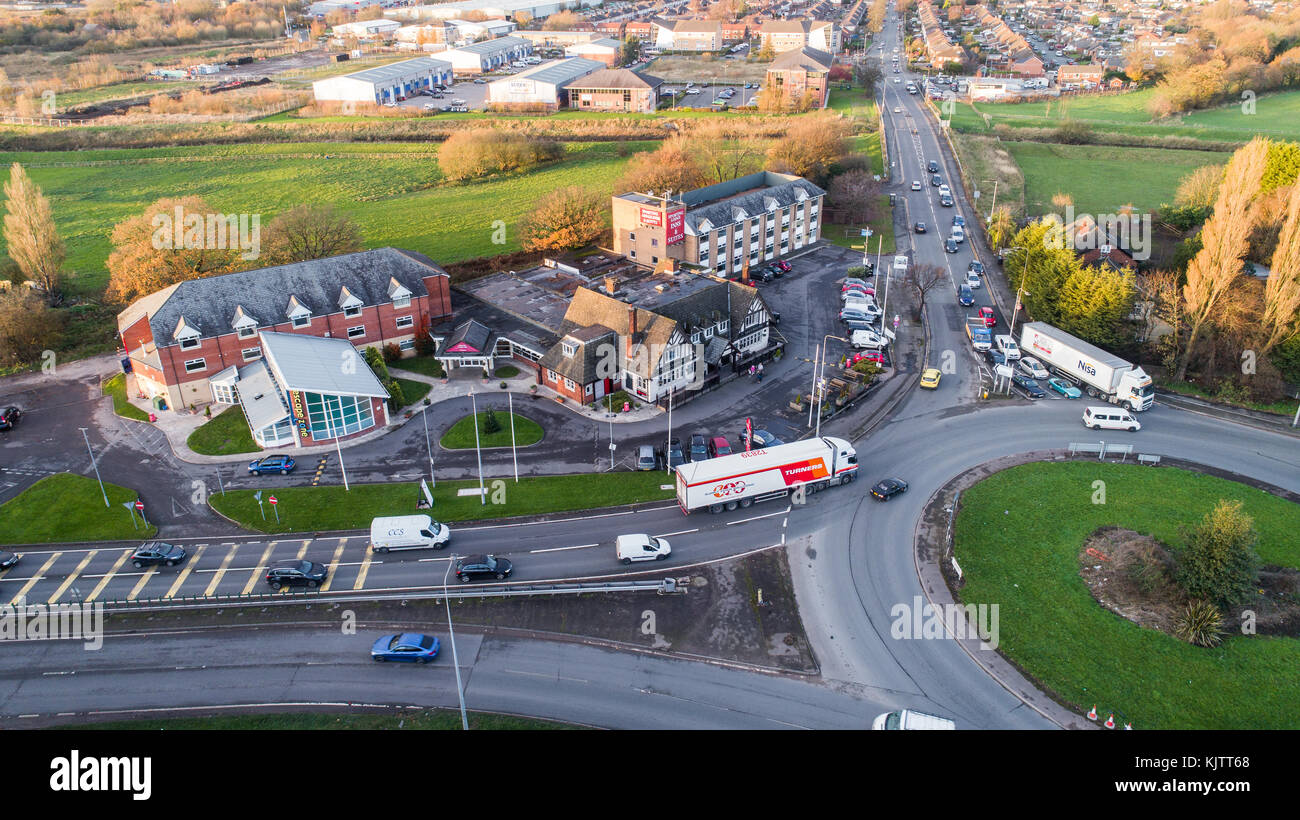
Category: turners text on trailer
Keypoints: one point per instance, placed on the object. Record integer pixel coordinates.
(738, 480)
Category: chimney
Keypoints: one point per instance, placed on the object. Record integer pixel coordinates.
(611, 285)
(631, 321)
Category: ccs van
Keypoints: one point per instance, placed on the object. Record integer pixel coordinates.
(408, 532)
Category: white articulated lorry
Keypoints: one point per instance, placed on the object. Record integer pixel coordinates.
(738, 480)
(1103, 375)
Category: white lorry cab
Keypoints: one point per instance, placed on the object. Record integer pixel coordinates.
(907, 719)
(641, 547)
(408, 532)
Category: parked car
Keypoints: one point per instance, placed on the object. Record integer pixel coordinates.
(699, 449)
(272, 464)
(1063, 387)
(1027, 384)
(919, 227)
(964, 294)
(295, 572)
(719, 446)
(9, 416)
(995, 356)
(152, 553)
(853, 282)
(874, 356)
(408, 646)
(990, 319)
(886, 489)
(866, 338)
(783, 265)
(675, 454)
(1008, 346)
(762, 439)
(930, 378)
(646, 458)
(1032, 368)
(8, 559)
(482, 566)
(857, 292)
(860, 311)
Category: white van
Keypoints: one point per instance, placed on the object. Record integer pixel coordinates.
(907, 719)
(408, 532)
(1007, 346)
(641, 547)
(1109, 418)
(958, 233)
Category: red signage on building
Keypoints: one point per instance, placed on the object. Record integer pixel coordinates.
(462, 347)
(651, 217)
(676, 226)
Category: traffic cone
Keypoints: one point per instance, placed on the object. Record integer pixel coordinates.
(1092, 713)
(1128, 727)
(1110, 721)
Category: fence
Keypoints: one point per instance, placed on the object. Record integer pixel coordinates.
(1102, 450)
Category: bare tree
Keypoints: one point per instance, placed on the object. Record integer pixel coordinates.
(855, 195)
(724, 149)
(33, 241)
(310, 232)
(922, 279)
(1282, 291)
(1225, 240)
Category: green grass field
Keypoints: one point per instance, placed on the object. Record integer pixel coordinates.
(405, 719)
(121, 91)
(224, 435)
(412, 391)
(1018, 536)
(116, 387)
(849, 236)
(1102, 178)
(424, 365)
(68, 507)
(393, 191)
(333, 508)
(460, 436)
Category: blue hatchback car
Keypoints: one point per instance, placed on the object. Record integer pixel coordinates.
(965, 296)
(410, 646)
(272, 464)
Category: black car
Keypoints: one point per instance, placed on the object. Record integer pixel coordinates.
(936, 180)
(995, 356)
(775, 270)
(950, 245)
(296, 573)
(762, 439)
(946, 201)
(932, 167)
(675, 455)
(920, 227)
(976, 267)
(272, 464)
(699, 448)
(8, 559)
(888, 488)
(156, 552)
(9, 417)
(482, 566)
(1030, 386)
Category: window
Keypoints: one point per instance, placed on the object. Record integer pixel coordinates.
(351, 312)
(301, 321)
(552, 376)
(189, 343)
(408, 344)
(251, 353)
(631, 254)
(654, 243)
(355, 332)
(330, 416)
(405, 321)
(631, 237)
(654, 260)
(195, 365)
(568, 348)
(402, 302)
(223, 394)
(247, 332)
(569, 385)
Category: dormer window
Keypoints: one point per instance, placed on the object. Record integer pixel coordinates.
(298, 313)
(568, 348)
(349, 302)
(302, 321)
(186, 334)
(189, 342)
(243, 323)
(248, 331)
(399, 294)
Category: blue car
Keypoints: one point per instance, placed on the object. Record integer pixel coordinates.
(964, 295)
(272, 464)
(1064, 388)
(410, 646)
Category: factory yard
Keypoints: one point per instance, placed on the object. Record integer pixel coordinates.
(679, 68)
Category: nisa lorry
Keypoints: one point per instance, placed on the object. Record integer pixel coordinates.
(1102, 374)
(978, 331)
(408, 532)
(741, 479)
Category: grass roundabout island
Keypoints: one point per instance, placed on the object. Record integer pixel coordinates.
(460, 436)
(1022, 538)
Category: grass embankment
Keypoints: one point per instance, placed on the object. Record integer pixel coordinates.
(1285, 407)
(69, 507)
(304, 509)
(993, 171)
(425, 719)
(116, 387)
(460, 436)
(224, 435)
(1018, 538)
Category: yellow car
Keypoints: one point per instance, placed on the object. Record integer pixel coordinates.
(930, 378)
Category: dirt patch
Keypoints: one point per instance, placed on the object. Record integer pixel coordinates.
(721, 615)
(1132, 575)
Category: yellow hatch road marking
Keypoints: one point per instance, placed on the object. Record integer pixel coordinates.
(185, 573)
(54, 599)
(221, 572)
(153, 570)
(257, 570)
(338, 553)
(361, 573)
(40, 573)
(103, 582)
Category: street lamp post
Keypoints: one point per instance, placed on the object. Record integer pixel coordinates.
(821, 389)
(455, 661)
(478, 452)
(1024, 270)
(427, 444)
(94, 465)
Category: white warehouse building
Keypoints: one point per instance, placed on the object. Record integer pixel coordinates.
(492, 8)
(489, 55)
(545, 84)
(385, 83)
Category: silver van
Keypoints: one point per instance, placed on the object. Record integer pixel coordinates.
(1110, 418)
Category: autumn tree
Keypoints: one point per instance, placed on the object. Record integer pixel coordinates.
(922, 279)
(725, 149)
(1225, 240)
(564, 219)
(1282, 290)
(28, 326)
(1001, 228)
(670, 167)
(1200, 188)
(855, 196)
(147, 255)
(33, 240)
(810, 146)
(562, 21)
(310, 232)
(482, 152)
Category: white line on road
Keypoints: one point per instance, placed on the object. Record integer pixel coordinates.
(561, 549)
(755, 518)
(681, 532)
(541, 675)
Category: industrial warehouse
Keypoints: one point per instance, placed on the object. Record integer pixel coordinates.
(386, 83)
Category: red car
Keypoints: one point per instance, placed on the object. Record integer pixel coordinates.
(870, 356)
(783, 265)
(986, 313)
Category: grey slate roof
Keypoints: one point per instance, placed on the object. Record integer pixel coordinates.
(264, 293)
(581, 367)
(806, 58)
(749, 193)
(473, 333)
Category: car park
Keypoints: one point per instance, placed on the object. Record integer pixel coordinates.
(866, 338)
(641, 547)
(295, 572)
(1063, 387)
(719, 446)
(989, 317)
(699, 449)
(482, 566)
(9, 416)
(411, 647)
(153, 553)
(272, 464)
(1032, 368)
(919, 227)
(8, 559)
(1030, 386)
(887, 488)
(964, 294)
(930, 378)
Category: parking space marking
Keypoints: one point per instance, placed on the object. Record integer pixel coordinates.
(103, 582)
(54, 599)
(338, 554)
(185, 573)
(257, 568)
(31, 582)
(221, 571)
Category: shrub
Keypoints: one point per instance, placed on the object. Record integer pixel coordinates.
(491, 424)
(1218, 561)
(376, 361)
(1200, 624)
(392, 352)
(395, 394)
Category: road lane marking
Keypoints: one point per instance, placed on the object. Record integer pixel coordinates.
(221, 571)
(54, 599)
(144, 579)
(561, 549)
(755, 518)
(681, 532)
(103, 582)
(334, 564)
(185, 573)
(40, 573)
(362, 572)
(257, 569)
(542, 675)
